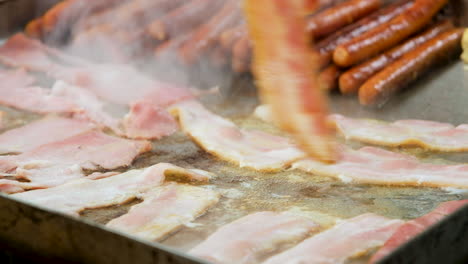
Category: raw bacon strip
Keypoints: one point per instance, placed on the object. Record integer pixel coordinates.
(165, 210)
(145, 121)
(251, 238)
(44, 131)
(55, 163)
(16, 91)
(102, 79)
(372, 165)
(350, 238)
(427, 134)
(78, 195)
(248, 148)
(414, 227)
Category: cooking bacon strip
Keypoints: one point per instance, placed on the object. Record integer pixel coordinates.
(250, 238)
(327, 45)
(78, 195)
(229, 37)
(241, 55)
(352, 79)
(285, 68)
(370, 165)
(60, 161)
(410, 66)
(41, 132)
(349, 238)
(414, 227)
(16, 91)
(340, 15)
(101, 79)
(248, 148)
(388, 34)
(427, 134)
(182, 20)
(165, 210)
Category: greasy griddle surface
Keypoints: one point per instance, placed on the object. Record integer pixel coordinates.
(246, 191)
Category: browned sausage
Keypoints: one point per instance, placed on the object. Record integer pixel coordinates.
(229, 37)
(328, 77)
(351, 80)
(377, 89)
(183, 19)
(204, 36)
(34, 28)
(241, 55)
(388, 34)
(327, 45)
(345, 13)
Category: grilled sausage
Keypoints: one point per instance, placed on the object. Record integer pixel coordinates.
(327, 45)
(351, 80)
(328, 78)
(229, 37)
(204, 37)
(183, 19)
(377, 89)
(241, 55)
(333, 18)
(34, 28)
(387, 34)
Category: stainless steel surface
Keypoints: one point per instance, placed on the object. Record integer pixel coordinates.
(439, 96)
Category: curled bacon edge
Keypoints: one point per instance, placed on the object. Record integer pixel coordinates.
(285, 67)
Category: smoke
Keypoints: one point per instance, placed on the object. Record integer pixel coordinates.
(170, 40)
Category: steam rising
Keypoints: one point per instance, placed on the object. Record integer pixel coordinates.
(118, 31)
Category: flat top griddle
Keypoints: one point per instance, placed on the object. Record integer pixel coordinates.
(440, 96)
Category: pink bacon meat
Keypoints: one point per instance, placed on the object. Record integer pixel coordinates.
(17, 91)
(102, 79)
(58, 162)
(414, 227)
(427, 134)
(250, 238)
(372, 165)
(78, 195)
(41, 132)
(165, 210)
(350, 238)
(248, 148)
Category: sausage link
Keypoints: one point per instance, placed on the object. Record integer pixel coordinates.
(204, 36)
(229, 37)
(351, 80)
(388, 34)
(377, 89)
(241, 55)
(34, 28)
(183, 19)
(345, 13)
(327, 45)
(328, 78)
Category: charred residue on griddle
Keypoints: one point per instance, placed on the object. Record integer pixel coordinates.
(104, 215)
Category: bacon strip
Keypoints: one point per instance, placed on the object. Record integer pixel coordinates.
(285, 67)
(414, 227)
(58, 162)
(250, 238)
(102, 79)
(427, 134)
(350, 238)
(78, 195)
(16, 91)
(248, 148)
(44, 131)
(372, 165)
(165, 210)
